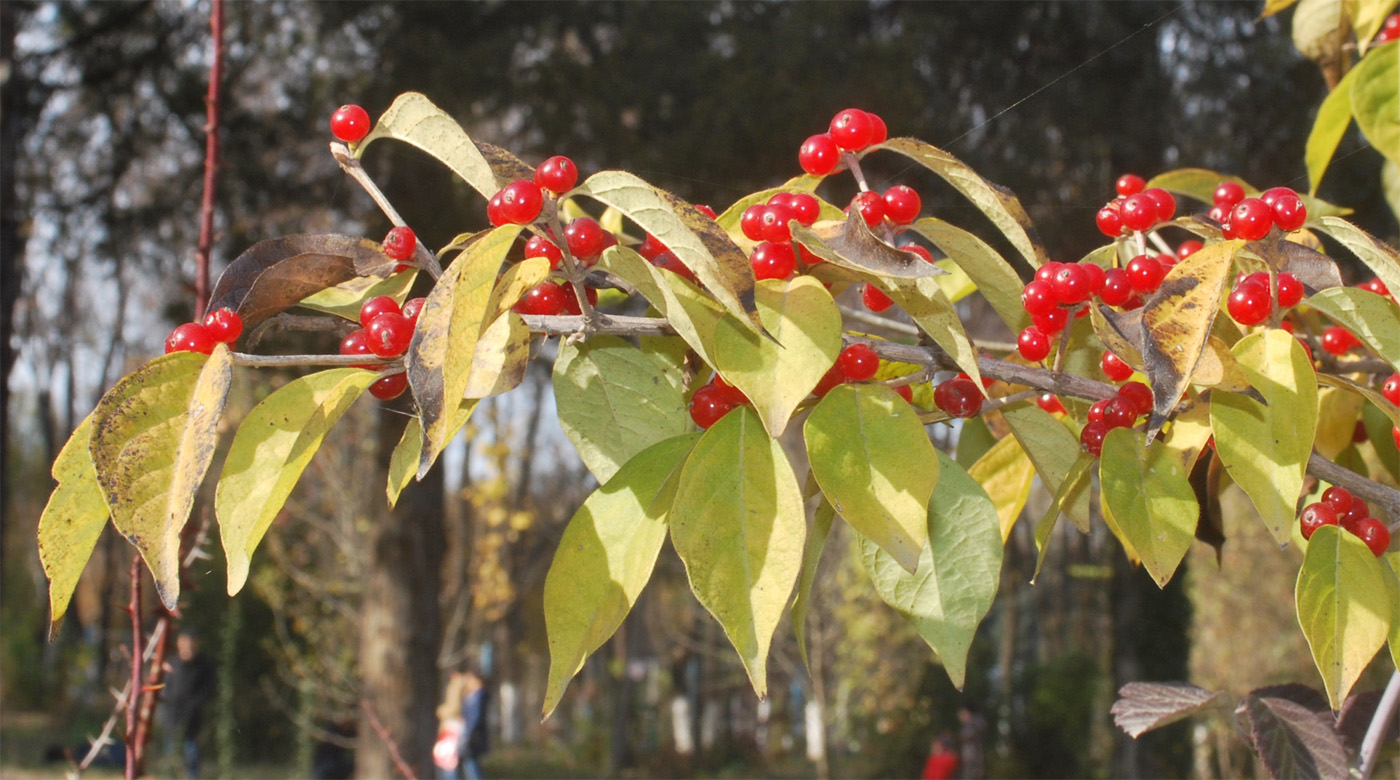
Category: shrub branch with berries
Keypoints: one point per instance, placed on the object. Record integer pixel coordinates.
(697, 350)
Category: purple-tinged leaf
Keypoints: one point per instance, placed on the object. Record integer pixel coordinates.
(1142, 706)
(1291, 740)
(274, 275)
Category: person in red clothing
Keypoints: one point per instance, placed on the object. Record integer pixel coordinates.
(942, 760)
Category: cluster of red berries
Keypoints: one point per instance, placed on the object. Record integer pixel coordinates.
(1136, 209)
(1134, 399)
(1252, 302)
(1339, 507)
(769, 223)
(219, 326)
(714, 400)
(1253, 218)
(851, 130)
(385, 331)
(1390, 31)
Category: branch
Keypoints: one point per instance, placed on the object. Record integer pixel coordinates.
(1372, 491)
(423, 258)
(399, 763)
(282, 361)
(133, 768)
(1380, 723)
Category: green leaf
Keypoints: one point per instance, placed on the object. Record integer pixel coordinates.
(414, 120)
(1151, 499)
(514, 283)
(1074, 484)
(605, 558)
(997, 202)
(924, 300)
(686, 307)
(811, 559)
(1337, 414)
(1390, 186)
(153, 436)
(1343, 607)
(439, 359)
(876, 466)
(956, 581)
(701, 245)
(738, 524)
(613, 402)
(1329, 127)
(403, 462)
(71, 523)
(346, 299)
(1006, 474)
(995, 278)
(974, 439)
(1363, 391)
(1265, 449)
(1374, 319)
(778, 372)
(1053, 449)
(1379, 256)
(501, 356)
(1375, 99)
(271, 449)
(1391, 572)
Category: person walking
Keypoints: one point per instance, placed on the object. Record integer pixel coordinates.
(475, 740)
(189, 685)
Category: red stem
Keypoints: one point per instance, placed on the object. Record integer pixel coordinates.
(388, 739)
(211, 162)
(133, 706)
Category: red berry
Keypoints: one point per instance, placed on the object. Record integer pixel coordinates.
(923, 253)
(804, 206)
(1376, 286)
(858, 362)
(1228, 193)
(354, 343)
(1046, 273)
(388, 334)
(667, 260)
(773, 261)
(557, 174)
(958, 397)
(829, 380)
(727, 392)
(1289, 213)
(852, 129)
(1339, 498)
(873, 299)
(1314, 517)
(878, 132)
(1033, 345)
(870, 206)
(350, 123)
(1166, 203)
(1091, 437)
(1337, 340)
(1139, 212)
(902, 204)
(1145, 273)
(1117, 287)
(1250, 304)
(1188, 248)
(521, 202)
(544, 298)
(586, 239)
(1390, 389)
(1119, 413)
(1071, 284)
(1114, 368)
(1221, 213)
(1110, 220)
(376, 306)
(571, 299)
(1050, 403)
(774, 223)
(1359, 434)
(1129, 184)
(1052, 322)
(1290, 290)
(1097, 277)
(708, 405)
(190, 337)
(751, 221)
(400, 243)
(539, 246)
(1139, 393)
(390, 387)
(224, 325)
(1251, 219)
(1038, 298)
(906, 392)
(1357, 512)
(818, 155)
(412, 308)
(1374, 533)
(1096, 409)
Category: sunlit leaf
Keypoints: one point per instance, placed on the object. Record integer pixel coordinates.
(1363, 391)
(1075, 483)
(1152, 501)
(613, 402)
(1145, 706)
(738, 524)
(273, 446)
(1343, 607)
(994, 277)
(1375, 99)
(1052, 448)
(1329, 127)
(71, 522)
(923, 300)
(403, 462)
(811, 559)
(515, 282)
(502, 354)
(779, 370)
(1197, 183)
(1320, 29)
(346, 299)
(1380, 257)
(1391, 574)
(686, 307)
(1265, 448)
(414, 120)
(876, 466)
(153, 436)
(605, 558)
(1271, 7)
(1368, 16)
(1372, 318)
(1338, 412)
(1006, 474)
(958, 573)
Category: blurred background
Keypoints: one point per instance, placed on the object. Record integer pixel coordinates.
(103, 141)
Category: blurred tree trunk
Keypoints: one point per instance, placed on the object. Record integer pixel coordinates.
(401, 626)
(11, 240)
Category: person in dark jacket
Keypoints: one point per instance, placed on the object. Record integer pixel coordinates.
(475, 740)
(189, 685)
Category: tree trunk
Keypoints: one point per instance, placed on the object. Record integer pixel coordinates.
(401, 628)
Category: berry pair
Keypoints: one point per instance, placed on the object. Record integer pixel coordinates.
(715, 400)
(219, 326)
(959, 397)
(1135, 209)
(522, 201)
(550, 298)
(1133, 400)
(852, 130)
(1252, 302)
(1339, 507)
(1252, 218)
(899, 204)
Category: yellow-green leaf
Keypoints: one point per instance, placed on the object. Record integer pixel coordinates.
(1075, 482)
(956, 580)
(71, 522)
(346, 299)
(1392, 585)
(738, 524)
(876, 466)
(778, 371)
(1337, 413)
(994, 277)
(414, 120)
(1197, 183)
(924, 300)
(1374, 319)
(439, 359)
(605, 558)
(514, 283)
(153, 436)
(1052, 449)
(1152, 502)
(1006, 474)
(811, 559)
(614, 403)
(1364, 391)
(403, 462)
(686, 307)
(1368, 16)
(1380, 257)
(501, 356)
(1375, 99)
(1265, 448)
(1329, 127)
(1272, 7)
(271, 449)
(1343, 607)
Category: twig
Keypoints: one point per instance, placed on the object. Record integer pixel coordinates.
(280, 361)
(133, 767)
(423, 258)
(1373, 492)
(1381, 721)
(211, 162)
(867, 318)
(374, 723)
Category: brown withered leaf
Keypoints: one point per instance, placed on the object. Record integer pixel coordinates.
(505, 166)
(851, 244)
(1315, 270)
(272, 276)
